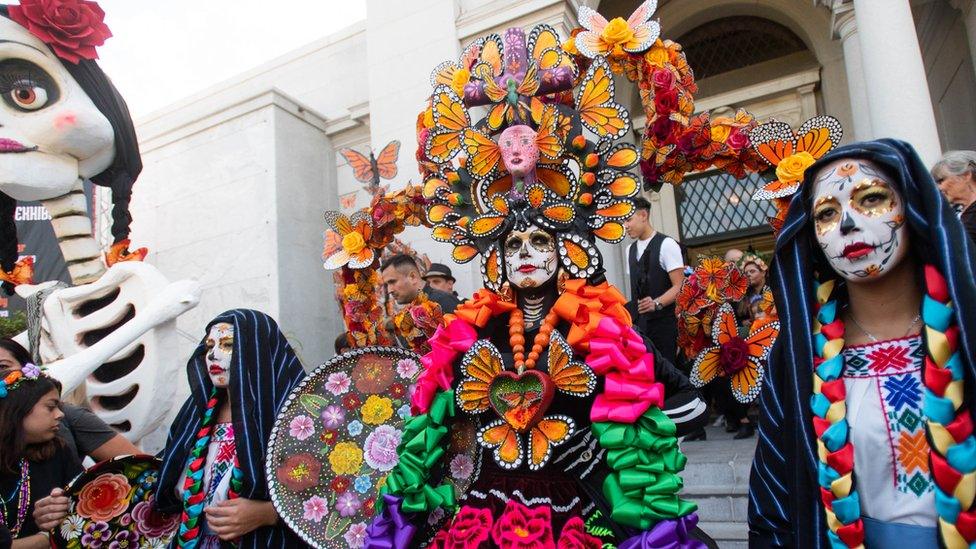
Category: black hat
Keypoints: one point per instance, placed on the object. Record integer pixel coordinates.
(441, 270)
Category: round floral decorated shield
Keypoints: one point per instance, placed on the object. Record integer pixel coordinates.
(335, 441)
(111, 505)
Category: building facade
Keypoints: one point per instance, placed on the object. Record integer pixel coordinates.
(237, 177)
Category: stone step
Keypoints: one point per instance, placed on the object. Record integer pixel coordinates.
(726, 533)
(722, 508)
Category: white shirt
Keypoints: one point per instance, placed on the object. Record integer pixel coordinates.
(669, 260)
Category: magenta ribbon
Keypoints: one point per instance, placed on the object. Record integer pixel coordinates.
(438, 375)
(618, 353)
(391, 529)
(667, 534)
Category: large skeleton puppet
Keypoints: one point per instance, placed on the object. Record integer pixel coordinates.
(62, 122)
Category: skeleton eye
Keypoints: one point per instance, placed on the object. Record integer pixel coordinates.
(27, 95)
(25, 86)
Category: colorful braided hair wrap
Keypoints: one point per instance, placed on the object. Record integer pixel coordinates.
(786, 501)
(264, 370)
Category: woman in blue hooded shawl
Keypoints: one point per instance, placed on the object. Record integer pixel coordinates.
(866, 415)
(214, 462)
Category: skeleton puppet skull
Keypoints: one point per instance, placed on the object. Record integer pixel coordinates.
(220, 349)
(859, 219)
(50, 131)
(530, 257)
(519, 150)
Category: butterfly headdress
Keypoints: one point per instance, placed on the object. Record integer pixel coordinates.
(579, 188)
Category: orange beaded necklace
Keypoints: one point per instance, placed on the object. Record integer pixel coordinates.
(516, 337)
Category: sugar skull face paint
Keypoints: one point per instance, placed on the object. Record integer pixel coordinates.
(530, 257)
(51, 133)
(519, 150)
(220, 349)
(859, 219)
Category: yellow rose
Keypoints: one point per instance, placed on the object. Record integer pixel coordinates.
(376, 410)
(720, 131)
(569, 46)
(617, 34)
(657, 56)
(346, 458)
(353, 243)
(792, 167)
(460, 78)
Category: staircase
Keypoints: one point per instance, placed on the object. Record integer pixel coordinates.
(717, 479)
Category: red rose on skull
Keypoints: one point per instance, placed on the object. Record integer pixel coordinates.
(72, 28)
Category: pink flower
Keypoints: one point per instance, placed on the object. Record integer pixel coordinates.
(356, 535)
(407, 368)
(152, 523)
(348, 504)
(469, 528)
(461, 467)
(301, 427)
(333, 416)
(522, 528)
(574, 536)
(380, 448)
(104, 498)
(737, 139)
(315, 508)
(338, 383)
(663, 79)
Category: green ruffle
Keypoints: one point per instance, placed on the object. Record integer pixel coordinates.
(421, 448)
(643, 486)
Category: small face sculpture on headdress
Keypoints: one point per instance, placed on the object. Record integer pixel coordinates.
(530, 257)
(519, 149)
(859, 219)
(50, 131)
(220, 349)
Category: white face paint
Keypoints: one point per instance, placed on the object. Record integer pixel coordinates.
(220, 349)
(530, 257)
(859, 220)
(50, 131)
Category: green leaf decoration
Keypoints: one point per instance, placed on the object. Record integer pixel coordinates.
(312, 403)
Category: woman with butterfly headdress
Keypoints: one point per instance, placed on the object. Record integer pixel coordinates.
(565, 400)
(865, 429)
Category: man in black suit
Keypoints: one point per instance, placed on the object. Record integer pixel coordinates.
(403, 280)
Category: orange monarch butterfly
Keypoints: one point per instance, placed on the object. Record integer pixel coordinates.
(745, 373)
(371, 169)
(591, 42)
(775, 141)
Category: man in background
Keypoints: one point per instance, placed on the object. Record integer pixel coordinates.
(656, 270)
(733, 255)
(440, 277)
(402, 278)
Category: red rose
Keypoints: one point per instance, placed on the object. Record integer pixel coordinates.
(339, 484)
(470, 528)
(737, 139)
(72, 28)
(733, 355)
(574, 536)
(663, 79)
(665, 102)
(661, 129)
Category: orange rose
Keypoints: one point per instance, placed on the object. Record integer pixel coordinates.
(353, 243)
(618, 34)
(792, 167)
(569, 46)
(657, 56)
(104, 498)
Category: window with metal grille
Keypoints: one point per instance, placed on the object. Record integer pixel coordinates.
(714, 204)
(735, 42)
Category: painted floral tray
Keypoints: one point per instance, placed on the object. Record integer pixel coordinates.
(335, 441)
(111, 505)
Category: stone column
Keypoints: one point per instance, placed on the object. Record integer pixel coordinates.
(845, 28)
(894, 75)
(968, 9)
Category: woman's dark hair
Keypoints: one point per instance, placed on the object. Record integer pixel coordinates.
(119, 176)
(16, 406)
(342, 343)
(20, 353)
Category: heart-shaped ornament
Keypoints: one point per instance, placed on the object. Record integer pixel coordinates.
(521, 399)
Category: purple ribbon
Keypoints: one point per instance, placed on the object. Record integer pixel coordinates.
(667, 534)
(391, 529)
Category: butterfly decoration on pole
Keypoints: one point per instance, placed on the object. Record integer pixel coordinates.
(370, 170)
(674, 140)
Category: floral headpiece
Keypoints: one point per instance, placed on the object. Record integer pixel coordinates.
(579, 187)
(30, 372)
(752, 258)
(71, 28)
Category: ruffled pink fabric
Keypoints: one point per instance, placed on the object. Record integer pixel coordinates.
(618, 353)
(445, 345)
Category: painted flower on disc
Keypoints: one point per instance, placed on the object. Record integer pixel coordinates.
(315, 508)
(124, 539)
(355, 536)
(381, 448)
(96, 535)
(71, 527)
(436, 516)
(354, 428)
(377, 410)
(338, 383)
(373, 375)
(301, 427)
(362, 484)
(407, 368)
(339, 484)
(104, 498)
(333, 416)
(154, 543)
(348, 504)
(404, 411)
(150, 522)
(346, 458)
(462, 467)
(300, 472)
